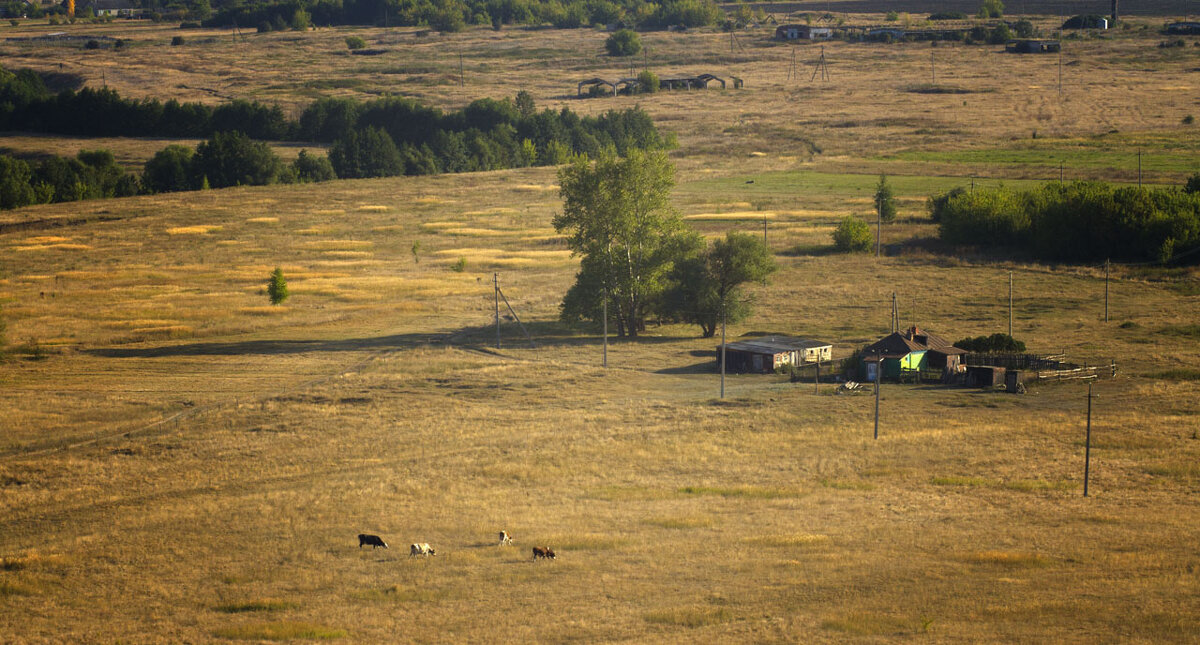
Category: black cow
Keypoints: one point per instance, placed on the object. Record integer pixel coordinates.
(373, 540)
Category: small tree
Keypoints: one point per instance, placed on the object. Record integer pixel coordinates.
(525, 105)
(647, 82)
(991, 9)
(885, 202)
(416, 251)
(355, 42)
(312, 168)
(852, 235)
(277, 288)
(623, 42)
(707, 284)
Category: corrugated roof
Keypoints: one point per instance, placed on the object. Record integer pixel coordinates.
(897, 344)
(775, 344)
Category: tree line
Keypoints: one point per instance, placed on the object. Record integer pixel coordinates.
(380, 138)
(1075, 222)
(455, 15)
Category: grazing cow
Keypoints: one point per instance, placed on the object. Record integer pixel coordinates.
(421, 549)
(505, 539)
(373, 540)
(544, 552)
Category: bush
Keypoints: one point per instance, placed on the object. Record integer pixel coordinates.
(991, 9)
(852, 235)
(1189, 119)
(277, 289)
(991, 344)
(892, 16)
(169, 170)
(623, 42)
(647, 82)
(233, 159)
(459, 265)
(355, 42)
(92, 44)
(1193, 184)
(948, 15)
(310, 169)
(999, 35)
(176, 41)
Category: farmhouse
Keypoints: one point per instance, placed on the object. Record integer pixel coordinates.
(910, 351)
(765, 355)
(1032, 46)
(802, 32)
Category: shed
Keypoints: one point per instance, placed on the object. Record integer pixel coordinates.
(597, 81)
(1184, 28)
(985, 375)
(704, 79)
(802, 32)
(1033, 46)
(765, 355)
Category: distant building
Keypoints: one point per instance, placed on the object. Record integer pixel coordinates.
(1183, 28)
(114, 8)
(909, 351)
(802, 32)
(1033, 46)
(769, 353)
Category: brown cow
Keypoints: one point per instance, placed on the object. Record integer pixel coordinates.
(544, 552)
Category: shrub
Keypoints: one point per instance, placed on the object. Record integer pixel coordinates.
(310, 168)
(92, 44)
(647, 82)
(852, 235)
(277, 289)
(623, 42)
(355, 42)
(999, 35)
(892, 16)
(1189, 119)
(448, 20)
(1024, 29)
(459, 265)
(233, 159)
(991, 344)
(169, 170)
(1193, 184)
(991, 9)
(176, 41)
(948, 15)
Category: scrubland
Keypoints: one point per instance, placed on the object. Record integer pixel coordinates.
(181, 461)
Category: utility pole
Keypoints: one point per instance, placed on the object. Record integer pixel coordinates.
(817, 378)
(1010, 304)
(878, 228)
(461, 79)
(1139, 168)
(878, 373)
(1087, 444)
(895, 314)
(606, 325)
(722, 350)
(496, 298)
(1106, 265)
(764, 229)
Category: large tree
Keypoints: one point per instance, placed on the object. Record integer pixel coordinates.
(707, 284)
(618, 218)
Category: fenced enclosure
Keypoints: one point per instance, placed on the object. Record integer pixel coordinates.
(1047, 367)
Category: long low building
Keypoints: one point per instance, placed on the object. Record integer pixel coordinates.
(769, 353)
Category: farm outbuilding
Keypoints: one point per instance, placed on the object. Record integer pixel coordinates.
(985, 376)
(910, 351)
(765, 355)
(1033, 46)
(596, 82)
(802, 32)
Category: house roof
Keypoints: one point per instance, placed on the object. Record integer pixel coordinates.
(775, 344)
(913, 339)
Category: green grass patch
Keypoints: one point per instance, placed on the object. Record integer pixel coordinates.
(689, 616)
(397, 593)
(279, 631)
(1182, 471)
(1183, 331)
(254, 605)
(955, 480)
(751, 492)
(794, 540)
(15, 588)
(680, 522)
(929, 88)
(842, 484)
(863, 624)
(1007, 559)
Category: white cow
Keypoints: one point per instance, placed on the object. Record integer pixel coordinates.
(420, 549)
(505, 538)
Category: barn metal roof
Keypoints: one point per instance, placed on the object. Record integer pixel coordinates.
(775, 344)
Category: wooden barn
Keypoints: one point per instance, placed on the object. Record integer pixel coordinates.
(769, 353)
(1032, 46)
(910, 351)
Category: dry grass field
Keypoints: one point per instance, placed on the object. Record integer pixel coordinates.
(182, 462)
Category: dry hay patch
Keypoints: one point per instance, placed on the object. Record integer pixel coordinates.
(314, 230)
(330, 212)
(788, 540)
(1006, 559)
(498, 210)
(139, 323)
(348, 254)
(441, 225)
(533, 188)
(53, 247)
(337, 245)
(478, 232)
(733, 216)
(263, 310)
(432, 200)
(263, 220)
(373, 208)
(197, 229)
